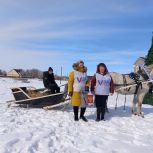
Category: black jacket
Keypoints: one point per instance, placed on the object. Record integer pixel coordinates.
(48, 79)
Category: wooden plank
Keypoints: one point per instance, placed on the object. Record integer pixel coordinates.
(54, 106)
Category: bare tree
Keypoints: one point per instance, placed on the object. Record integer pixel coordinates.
(2, 72)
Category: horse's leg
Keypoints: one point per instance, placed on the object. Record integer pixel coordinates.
(140, 113)
(140, 100)
(134, 102)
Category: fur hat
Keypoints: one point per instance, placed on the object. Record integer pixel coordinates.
(76, 66)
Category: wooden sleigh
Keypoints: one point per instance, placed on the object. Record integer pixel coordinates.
(37, 98)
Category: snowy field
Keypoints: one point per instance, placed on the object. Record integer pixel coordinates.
(54, 131)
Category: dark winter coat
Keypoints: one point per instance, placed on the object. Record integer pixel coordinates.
(48, 79)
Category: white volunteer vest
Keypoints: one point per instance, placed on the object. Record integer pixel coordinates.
(102, 84)
(80, 79)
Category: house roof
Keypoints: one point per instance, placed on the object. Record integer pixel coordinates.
(18, 70)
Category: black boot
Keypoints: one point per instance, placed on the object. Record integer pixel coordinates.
(98, 114)
(82, 114)
(106, 109)
(102, 114)
(76, 110)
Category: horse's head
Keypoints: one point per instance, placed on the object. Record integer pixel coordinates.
(143, 75)
(138, 70)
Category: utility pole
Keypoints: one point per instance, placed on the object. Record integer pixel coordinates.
(61, 75)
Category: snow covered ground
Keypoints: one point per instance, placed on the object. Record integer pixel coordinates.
(54, 131)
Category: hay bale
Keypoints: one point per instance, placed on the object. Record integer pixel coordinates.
(34, 94)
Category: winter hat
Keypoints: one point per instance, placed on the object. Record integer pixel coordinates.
(50, 69)
(80, 61)
(76, 66)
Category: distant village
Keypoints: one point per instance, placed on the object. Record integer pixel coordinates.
(32, 73)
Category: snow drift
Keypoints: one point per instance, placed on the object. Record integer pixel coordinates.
(54, 131)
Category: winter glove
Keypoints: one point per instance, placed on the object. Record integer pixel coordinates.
(70, 94)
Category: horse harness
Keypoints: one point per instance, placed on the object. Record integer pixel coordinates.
(136, 78)
(137, 81)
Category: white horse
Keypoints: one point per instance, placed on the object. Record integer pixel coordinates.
(127, 86)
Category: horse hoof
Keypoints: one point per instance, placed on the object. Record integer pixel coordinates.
(141, 114)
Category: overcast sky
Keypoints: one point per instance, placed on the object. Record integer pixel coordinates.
(43, 33)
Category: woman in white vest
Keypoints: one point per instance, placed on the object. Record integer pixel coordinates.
(102, 85)
(76, 87)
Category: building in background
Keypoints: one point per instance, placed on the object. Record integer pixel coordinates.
(14, 73)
